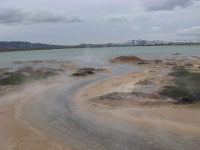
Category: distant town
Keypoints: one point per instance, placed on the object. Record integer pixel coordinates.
(19, 45)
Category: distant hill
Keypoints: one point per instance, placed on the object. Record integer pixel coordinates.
(24, 45)
(6, 46)
(143, 43)
(158, 42)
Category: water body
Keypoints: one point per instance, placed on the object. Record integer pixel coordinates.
(97, 56)
(55, 113)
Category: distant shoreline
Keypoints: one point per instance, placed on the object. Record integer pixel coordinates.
(71, 47)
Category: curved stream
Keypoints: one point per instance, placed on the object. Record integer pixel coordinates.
(55, 113)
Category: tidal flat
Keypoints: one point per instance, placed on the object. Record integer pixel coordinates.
(110, 104)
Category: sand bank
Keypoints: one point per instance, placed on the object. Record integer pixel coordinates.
(88, 115)
(159, 111)
(15, 132)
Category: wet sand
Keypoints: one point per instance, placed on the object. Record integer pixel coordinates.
(60, 113)
(163, 120)
(163, 113)
(15, 132)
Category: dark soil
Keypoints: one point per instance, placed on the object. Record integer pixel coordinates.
(84, 72)
(188, 64)
(122, 95)
(143, 62)
(87, 71)
(148, 81)
(126, 59)
(158, 61)
(170, 63)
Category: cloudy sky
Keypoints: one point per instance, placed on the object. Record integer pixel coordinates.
(98, 21)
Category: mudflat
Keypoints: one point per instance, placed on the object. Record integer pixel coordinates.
(122, 112)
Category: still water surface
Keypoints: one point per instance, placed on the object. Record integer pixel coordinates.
(97, 56)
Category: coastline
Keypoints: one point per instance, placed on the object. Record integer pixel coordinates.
(157, 120)
(16, 131)
(21, 134)
(163, 113)
(80, 47)
(156, 117)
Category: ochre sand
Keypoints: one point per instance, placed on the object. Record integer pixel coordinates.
(169, 115)
(17, 133)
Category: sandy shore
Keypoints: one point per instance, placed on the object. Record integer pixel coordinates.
(17, 132)
(183, 118)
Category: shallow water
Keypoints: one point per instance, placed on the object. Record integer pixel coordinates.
(97, 56)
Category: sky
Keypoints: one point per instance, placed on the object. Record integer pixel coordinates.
(71, 22)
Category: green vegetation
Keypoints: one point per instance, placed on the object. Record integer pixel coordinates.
(30, 49)
(43, 75)
(187, 89)
(16, 78)
(12, 78)
(175, 92)
(179, 71)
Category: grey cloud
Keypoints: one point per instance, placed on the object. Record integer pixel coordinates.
(155, 5)
(193, 31)
(12, 15)
(117, 18)
(19, 16)
(49, 16)
(132, 28)
(156, 28)
(140, 20)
